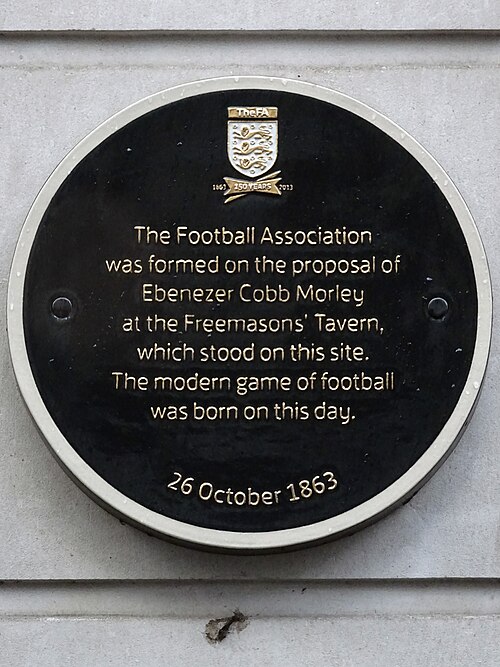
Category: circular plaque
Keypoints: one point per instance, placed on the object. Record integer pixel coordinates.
(249, 314)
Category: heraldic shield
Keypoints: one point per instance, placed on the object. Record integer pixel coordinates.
(252, 139)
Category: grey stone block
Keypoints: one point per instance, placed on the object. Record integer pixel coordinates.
(377, 641)
(55, 91)
(239, 15)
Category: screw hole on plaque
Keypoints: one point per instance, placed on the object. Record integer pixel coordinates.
(62, 308)
(438, 308)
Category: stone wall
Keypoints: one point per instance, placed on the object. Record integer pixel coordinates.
(81, 588)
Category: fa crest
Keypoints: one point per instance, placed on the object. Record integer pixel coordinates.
(252, 148)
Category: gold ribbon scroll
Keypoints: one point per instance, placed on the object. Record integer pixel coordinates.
(237, 188)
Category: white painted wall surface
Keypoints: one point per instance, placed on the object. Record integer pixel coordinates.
(420, 587)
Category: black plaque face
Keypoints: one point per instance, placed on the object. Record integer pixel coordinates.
(245, 314)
